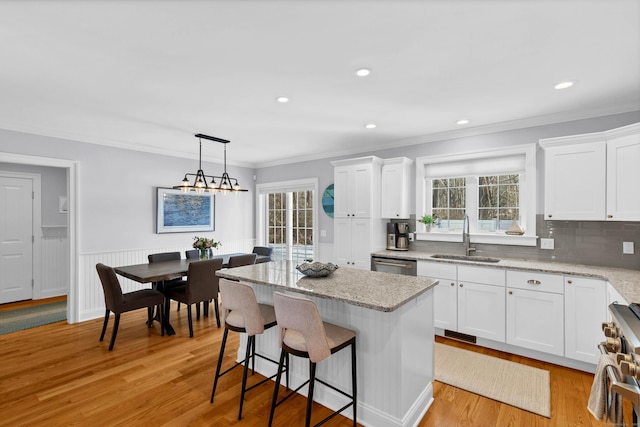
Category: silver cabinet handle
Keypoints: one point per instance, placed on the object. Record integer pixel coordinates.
(391, 264)
(534, 282)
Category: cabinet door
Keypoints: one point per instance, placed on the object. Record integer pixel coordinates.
(361, 243)
(342, 181)
(574, 183)
(585, 302)
(623, 176)
(395, 191)
(481, 310)
(535, 320)
(342, 241)
(360, 192)
(445, 306)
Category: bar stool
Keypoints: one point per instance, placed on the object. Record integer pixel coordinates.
(242, 313)
(304, 334)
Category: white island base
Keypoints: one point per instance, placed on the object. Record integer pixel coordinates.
(394, 358)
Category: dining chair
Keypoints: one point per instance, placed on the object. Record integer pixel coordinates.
(165, 284)
(240, 260)
(201, 286)
(263, 253)
(117, 302)
(304, 334)
(242, 313)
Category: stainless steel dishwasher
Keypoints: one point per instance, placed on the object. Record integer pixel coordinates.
(393, 265)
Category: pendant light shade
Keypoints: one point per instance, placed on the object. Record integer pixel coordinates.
(201, 182)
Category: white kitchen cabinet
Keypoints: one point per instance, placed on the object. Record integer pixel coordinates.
(445, 307)
(481, 302)
(355, 239)
(585, 302)
(396, 174)
(593, 176)
(535, 311)
(574, 183)
(623, 176)
(357, 187)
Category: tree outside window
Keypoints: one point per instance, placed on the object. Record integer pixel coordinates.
(498, 202)
(449, 202)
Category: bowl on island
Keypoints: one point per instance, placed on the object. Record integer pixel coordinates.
(316, 269)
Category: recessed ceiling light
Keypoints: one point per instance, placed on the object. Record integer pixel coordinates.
(362, 72)
(462, 122)
(563, 85)
(370, 125)
(282, 99)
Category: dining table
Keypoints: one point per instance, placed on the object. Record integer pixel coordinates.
(157, 272)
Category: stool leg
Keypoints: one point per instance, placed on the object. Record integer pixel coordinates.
(247, 355)
(277, 386)
(215, 381)
(312, 380)
(354, 382)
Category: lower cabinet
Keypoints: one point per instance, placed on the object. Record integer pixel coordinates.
(550, 313)
(355, 239)
(481, 305)
(585, 305)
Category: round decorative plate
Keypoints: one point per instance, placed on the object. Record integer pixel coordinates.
(327, 200)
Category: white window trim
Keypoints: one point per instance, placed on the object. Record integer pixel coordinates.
(528, 203)
(284, 187)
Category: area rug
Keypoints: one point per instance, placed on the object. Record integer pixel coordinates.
(508, 382)
(30, 317)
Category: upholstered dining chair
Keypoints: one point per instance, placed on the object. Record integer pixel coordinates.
(201, 286)
(242, 313)
(240, 260)
(304, 334)
(166, 284)
(117, 302)
(263, 253)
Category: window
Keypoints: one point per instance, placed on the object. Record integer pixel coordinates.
(493, 187)
(286, 219)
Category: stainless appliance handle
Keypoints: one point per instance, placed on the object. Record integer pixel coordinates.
(392, 264)
(628, 391)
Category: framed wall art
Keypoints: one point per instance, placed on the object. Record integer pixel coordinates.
(179, 212)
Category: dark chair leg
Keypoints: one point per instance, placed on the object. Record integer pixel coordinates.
(253, 356)
(215, 381)
(205, 308)
(274, 401)
(190, 317)
(312, 381)
(161, 311)
(167, 310)
(197, 310)
(149, 316)
(247, 355)
(354, 382)
(115, 331)
(104, 325)
(217, 309)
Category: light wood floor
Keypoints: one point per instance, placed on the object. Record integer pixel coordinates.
(60, 374)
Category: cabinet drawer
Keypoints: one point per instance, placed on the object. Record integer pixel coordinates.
(437, 269)
(532, 280)
(489, 276)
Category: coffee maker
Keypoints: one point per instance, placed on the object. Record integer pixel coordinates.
(398, 236)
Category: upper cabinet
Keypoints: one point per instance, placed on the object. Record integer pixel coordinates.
(396, 174)
(356, 187)
(593, 176)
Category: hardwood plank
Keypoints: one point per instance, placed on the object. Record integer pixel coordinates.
(60, 374)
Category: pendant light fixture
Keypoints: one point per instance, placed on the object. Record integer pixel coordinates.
(202, 182)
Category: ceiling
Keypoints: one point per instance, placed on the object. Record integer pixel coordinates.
(148, 75)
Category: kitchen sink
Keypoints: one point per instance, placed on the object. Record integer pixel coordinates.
(466, 258)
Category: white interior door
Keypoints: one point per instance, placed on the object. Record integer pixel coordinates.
(16, 239)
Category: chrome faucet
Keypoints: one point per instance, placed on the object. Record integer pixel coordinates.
(466, 239)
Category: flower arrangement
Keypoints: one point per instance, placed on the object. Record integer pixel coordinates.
(203, 243)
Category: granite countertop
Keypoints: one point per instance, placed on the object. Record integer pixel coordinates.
(625, 281)
(369, 289)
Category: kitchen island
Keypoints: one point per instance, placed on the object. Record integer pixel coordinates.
(393, 317)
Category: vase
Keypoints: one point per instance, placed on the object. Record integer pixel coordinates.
(428, 227)
(204, 253)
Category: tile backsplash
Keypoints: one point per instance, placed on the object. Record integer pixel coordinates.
(577, 242)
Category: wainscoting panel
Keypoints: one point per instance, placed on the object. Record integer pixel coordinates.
(54, 263)
(91, 297)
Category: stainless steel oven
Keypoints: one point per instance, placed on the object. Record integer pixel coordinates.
(393, 265)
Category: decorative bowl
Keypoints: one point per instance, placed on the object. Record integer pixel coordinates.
(316, 269)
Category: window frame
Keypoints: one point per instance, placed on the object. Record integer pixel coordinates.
(262, 190)
(528, 181)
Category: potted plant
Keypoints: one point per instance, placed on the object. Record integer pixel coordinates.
(428, 221)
